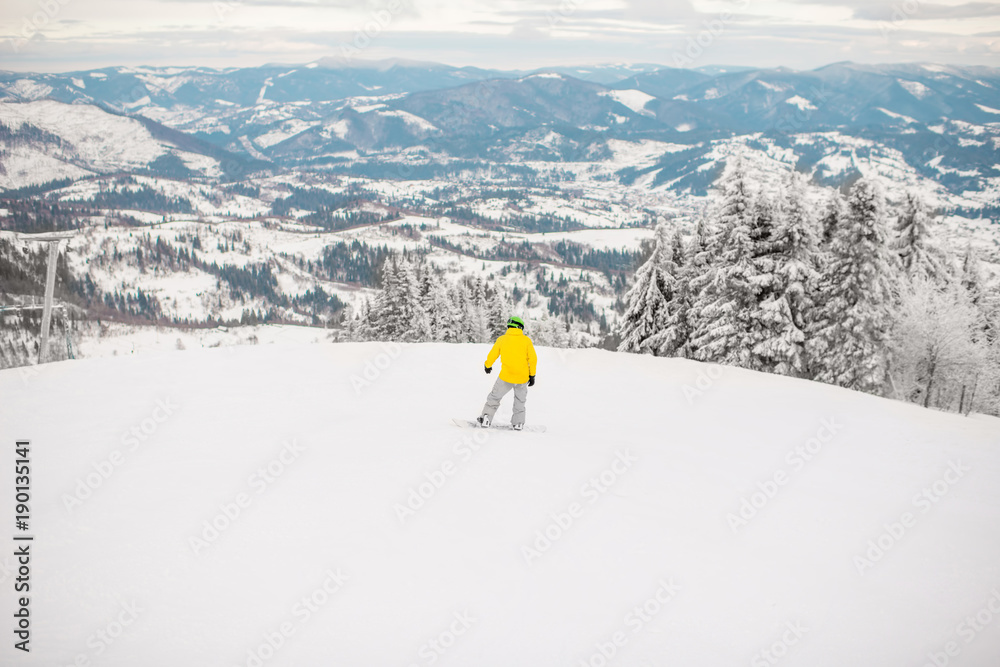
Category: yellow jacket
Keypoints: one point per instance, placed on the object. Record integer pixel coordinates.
(517, 356)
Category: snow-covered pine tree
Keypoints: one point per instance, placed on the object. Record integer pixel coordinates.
(672, 340)
(987, 398)
(971, 275)
(727, 289)
(396, 313)
(359, 324)
(382, 312)
(648, 301)
(497, 312)
(986, 300)
(462, 312)
(696, 262)
(699, 253)
(479, 312)
(793, 278)
(429, 289)
(421, 327)
(848, 336)
(762, 223)
(775, 340)
(914, 241)
(833, 217)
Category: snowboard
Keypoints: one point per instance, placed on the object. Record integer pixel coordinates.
(471, 423)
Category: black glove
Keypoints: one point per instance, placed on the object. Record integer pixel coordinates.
(489, 369)
(531, 380)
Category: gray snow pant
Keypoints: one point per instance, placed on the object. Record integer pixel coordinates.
(500, 390)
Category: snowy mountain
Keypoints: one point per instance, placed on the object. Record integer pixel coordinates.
(46, 141)
(835, 96)
(941, 119)
(313, 504)
(328, 79)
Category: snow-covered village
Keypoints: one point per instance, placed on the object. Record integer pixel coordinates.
(405, 333)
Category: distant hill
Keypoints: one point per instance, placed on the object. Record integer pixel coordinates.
(943, 121)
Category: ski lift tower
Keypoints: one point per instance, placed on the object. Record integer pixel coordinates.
(53, 239)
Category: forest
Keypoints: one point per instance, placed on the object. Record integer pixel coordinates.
(858, 294)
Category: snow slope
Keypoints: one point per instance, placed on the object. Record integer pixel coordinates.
(78, 140)
(636, 100)
(88, 128)
(643, 462)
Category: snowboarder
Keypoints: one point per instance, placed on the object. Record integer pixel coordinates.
(517, 372)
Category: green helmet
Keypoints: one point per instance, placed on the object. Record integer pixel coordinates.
(515, 322)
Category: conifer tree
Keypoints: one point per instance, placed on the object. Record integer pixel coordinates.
(834, 215)
(478, 312)
(420, 329)
(498, 307)
(648, 301)
(849, 334)
(462, 312)
(672, 339)
(698, 253)
(914, 241)
(793, 278)
(971, 275)
(396, 313)
(429, 291)
(727, 300)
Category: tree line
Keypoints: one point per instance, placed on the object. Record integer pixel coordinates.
(416, 303)
(857, 294)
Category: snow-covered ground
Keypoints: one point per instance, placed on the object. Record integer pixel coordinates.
(87, 128)
(114, 339)
(312, 504)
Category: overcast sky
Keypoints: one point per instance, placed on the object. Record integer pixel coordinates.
(63, 35)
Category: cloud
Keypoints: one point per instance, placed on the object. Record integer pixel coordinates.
(799, 47)
(877, 12)
(674, 11)
(341, 4)
(513, 34)
(405, 7)
(528, 29)
(888, 10)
